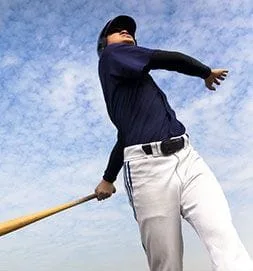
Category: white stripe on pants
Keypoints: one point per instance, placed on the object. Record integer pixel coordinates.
(161, 189)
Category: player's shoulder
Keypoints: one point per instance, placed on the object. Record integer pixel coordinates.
(116, 50)
(113, 52)
(115, 47)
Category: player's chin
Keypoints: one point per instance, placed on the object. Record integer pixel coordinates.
(129, 41)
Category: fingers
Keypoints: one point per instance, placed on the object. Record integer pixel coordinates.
(220, 73)
(104, 190)
(216, 81)
(216, 76)
(103, 196)
(221, 78)
(209, 82)
(223, 75)
(209, 86)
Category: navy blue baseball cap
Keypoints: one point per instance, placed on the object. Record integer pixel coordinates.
(119, 22)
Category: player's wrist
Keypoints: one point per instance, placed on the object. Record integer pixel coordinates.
(108, 178)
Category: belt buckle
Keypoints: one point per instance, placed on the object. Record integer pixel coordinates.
(170, 146)
(166, 147)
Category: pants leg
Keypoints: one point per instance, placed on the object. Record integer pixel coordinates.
(205, 207)
(154, 189)
(162, 241)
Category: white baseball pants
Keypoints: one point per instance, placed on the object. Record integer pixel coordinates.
(161, 189)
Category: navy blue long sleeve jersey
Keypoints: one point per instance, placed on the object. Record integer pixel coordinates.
(136, 105)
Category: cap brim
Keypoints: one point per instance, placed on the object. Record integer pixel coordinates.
(123, 21)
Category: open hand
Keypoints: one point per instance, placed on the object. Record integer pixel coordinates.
(215, 77)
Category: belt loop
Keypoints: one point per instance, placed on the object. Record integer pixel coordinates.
(158, 148)
(147, 149)
(155, 146)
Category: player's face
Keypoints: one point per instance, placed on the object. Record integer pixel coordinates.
(120, 35)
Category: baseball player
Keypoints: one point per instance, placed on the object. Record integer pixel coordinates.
(165, 178)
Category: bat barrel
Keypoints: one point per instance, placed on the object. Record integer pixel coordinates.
(17, 223)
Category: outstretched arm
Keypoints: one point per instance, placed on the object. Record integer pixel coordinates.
(175, 61)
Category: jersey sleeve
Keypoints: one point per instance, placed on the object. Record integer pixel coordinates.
(127, 61)
(115, 162)
(176, 61)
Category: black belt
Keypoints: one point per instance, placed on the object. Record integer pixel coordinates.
(167, 146)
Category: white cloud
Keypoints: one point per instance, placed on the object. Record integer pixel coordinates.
(56, 136)
(9, 60)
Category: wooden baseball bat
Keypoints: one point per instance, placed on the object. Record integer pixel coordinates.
(17, 223)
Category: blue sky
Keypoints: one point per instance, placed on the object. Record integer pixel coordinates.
(55, 135)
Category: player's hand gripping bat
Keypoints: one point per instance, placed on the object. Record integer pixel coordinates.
(17, 223)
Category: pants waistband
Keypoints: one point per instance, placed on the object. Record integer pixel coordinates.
(159, 148)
